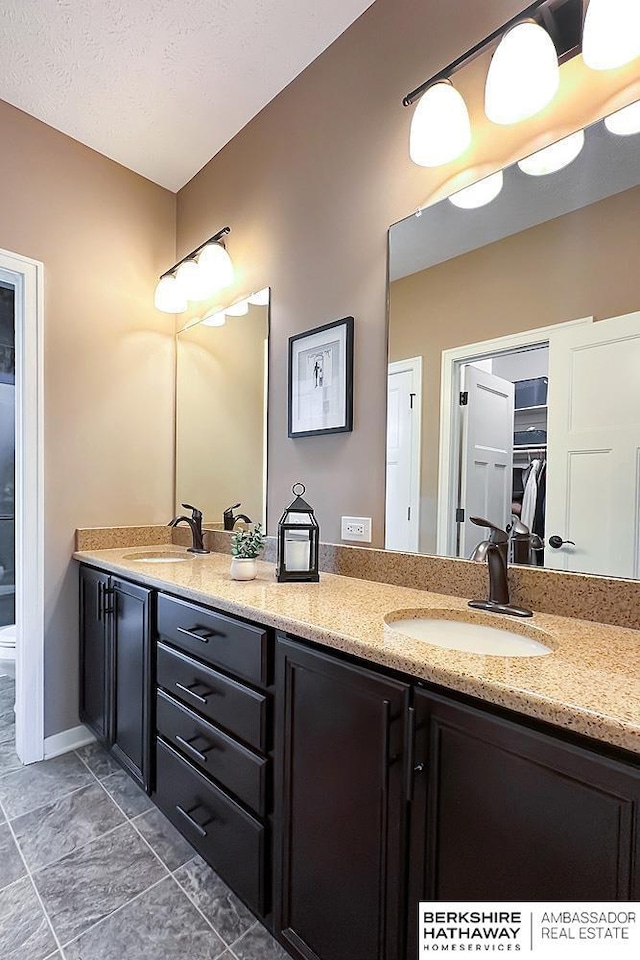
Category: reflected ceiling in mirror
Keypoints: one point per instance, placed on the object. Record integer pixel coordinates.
(221, 413)
(514, 366)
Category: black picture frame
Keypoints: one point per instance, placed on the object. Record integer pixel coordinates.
(296, 344)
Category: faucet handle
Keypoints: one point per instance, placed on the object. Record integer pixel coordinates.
(498, 535)
(230, 510)
(195, 513)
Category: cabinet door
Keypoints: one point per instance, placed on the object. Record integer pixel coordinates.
(339, 807)
(130, 677)
(510, 813)
(94, 699)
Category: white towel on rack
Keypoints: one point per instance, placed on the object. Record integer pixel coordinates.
(530, 498)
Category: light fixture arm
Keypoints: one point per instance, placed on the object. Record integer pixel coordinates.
(562, 19)
(216, 238)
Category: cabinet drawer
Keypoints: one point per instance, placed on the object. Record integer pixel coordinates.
(230, 840)
(227, 703)
(222, 641)
(239, 770)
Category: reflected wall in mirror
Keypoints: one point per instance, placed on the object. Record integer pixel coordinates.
(514, 368)
(221, 416)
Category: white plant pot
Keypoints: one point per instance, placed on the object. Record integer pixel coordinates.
(242, 569)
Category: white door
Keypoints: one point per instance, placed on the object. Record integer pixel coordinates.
(404, 406)
(486, 466)
(593, 476)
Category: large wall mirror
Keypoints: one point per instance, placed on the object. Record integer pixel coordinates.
(514, 364)
(221, 414)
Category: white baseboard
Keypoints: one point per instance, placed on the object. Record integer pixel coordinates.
(68, 740)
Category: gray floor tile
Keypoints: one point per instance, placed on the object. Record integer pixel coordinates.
(127, 794)
(59, 828)
(7, 724)
(40, 783)
(162, 923)
(170, 845)
(92, 882)
(98, 760)
(11, 865)
(24, 931)
(258, 944)
(9, 761)
(221, 907)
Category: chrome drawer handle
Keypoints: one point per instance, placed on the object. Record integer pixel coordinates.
(189, 746)
(192, 693)
(196, 826)
(196, 636)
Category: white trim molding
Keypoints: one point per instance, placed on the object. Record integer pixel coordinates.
(412, 365)
(27, 276)
(68, 740)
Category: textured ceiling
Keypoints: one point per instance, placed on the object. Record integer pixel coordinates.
(159, 85)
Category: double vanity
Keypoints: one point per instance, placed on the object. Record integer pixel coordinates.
(339, 751)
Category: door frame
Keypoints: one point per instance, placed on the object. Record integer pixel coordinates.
(449, 454)
(414, 366)
(27, 276)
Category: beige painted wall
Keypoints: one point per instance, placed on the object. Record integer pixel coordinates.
(579, 265)
(220, 412)
(310, 187)
(104, 234)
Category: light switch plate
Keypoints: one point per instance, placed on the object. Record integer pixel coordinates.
(356, 528)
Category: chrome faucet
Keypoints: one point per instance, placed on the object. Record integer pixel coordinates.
(495, 551)
(195, 523)
(229, 520)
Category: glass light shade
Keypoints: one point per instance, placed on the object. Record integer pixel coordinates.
(217, 264)
(523, 75)
(440, 126)
(261, 298)
(194, 282)
(611, 35)
(168, 296)
(553, 158)
(480, 193)
(624, 122)
(239, 309)
(215, 319)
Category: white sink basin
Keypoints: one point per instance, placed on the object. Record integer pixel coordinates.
(158, 557)
(469, 632)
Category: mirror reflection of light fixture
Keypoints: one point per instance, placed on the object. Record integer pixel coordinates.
(239, 309)
(260, 298)
(611, 33)
(168, 297)
(217, 319)
(624, 122)
(523, 75)
(480, 193)
(440, 126)
(197, 276)
(553, 158)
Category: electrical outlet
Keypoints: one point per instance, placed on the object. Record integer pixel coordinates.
(356, 528)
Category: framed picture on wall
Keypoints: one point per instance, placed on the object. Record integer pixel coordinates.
(321, 380)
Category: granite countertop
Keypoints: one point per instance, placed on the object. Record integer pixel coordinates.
(589, 684)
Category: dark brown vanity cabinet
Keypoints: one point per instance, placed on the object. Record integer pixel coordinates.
(115, 667)
(509, 812)
(340, 807)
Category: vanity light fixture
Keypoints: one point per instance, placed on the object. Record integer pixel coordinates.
(480, 193)
(239, 309)
(624, 122)
(554, 157)
(440, 127)
(196, 277)
(217, 319)
(611, 33)
(523, 78)
(260, 298)
(524, 75)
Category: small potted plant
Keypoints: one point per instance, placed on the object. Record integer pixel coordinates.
(245, 549)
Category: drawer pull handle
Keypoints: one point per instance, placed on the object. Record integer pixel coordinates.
(189, 746)
(192, 693)
(196, 826)
(197, 636)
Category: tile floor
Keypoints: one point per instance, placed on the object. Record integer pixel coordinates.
(90, 870)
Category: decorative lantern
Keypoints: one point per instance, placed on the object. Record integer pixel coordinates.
(298, 540)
